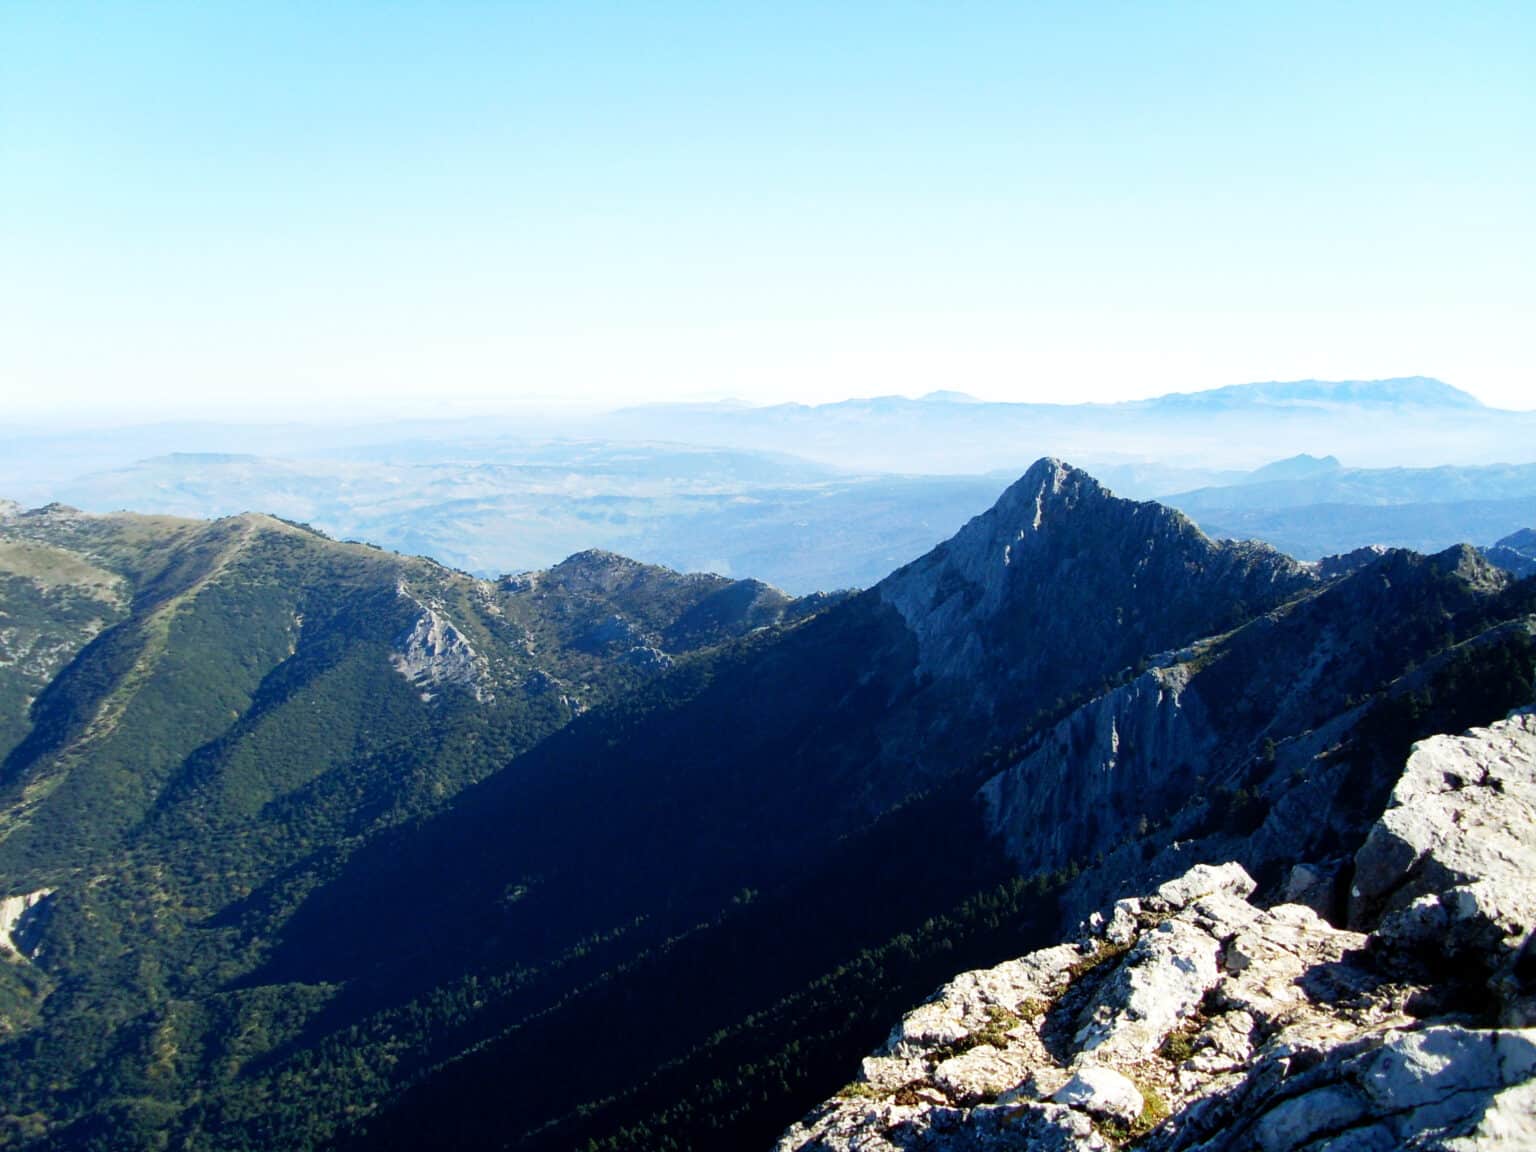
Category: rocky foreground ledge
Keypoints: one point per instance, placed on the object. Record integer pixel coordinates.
(1194, 1019)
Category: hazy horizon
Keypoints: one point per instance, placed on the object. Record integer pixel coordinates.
(558, 411)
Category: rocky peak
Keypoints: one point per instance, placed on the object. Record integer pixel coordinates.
(1296, 467)
(594, 570)
(1468, 564)
(1060, 563)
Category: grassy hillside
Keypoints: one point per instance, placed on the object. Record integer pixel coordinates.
(203, 721)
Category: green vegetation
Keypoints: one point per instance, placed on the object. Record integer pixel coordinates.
(1154, 1110)
(201, 726)
(1179, 1045)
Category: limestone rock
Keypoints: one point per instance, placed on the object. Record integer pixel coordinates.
(18, 916)
(433, 654)
(982, 1074)
(1118, 744)
(1161, 981)
(1442, 1087)
(1462, 810)
(1205, 880)
(1314, 885)
(1448, 865)
(1103, 1092)
(647, 657)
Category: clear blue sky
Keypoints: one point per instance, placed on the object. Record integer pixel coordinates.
(343, 203)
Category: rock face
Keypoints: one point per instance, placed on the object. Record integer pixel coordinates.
(433, 654)
(1195, 1019)
(1229, 746)
(1067, 796)
(18, 914)
(1450, 863)
(1061, 564)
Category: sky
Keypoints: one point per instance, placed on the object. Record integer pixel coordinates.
(412, 207)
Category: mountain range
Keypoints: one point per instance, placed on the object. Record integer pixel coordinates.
(815, 498)
(1374, 423)
(307, 844)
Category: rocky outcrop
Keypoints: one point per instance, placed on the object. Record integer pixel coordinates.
(19, 917)
(433, 654)
(1332, 567)
(1196, 1019)
(1448, 866)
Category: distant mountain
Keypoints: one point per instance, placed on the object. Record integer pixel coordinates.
(1302, 466)
(1297, 486)
(1516, 553)
(1313, 531)
(1400, 422)
(1314, 509)
(1402, 392)
(1523, 541)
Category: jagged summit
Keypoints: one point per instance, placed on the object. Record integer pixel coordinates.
(1049, 483)
(1060, 563)
(1052, 492)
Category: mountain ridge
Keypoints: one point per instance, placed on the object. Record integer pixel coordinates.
(603, 840)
